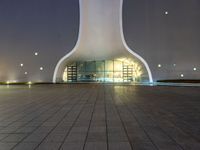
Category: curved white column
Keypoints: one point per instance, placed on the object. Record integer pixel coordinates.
(100, 35)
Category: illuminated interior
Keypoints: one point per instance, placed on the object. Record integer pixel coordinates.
(117, 70)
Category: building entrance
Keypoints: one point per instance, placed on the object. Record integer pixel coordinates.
(118, 70)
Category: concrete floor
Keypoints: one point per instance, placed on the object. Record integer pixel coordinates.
(99, 117)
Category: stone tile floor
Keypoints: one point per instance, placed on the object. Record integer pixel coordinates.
(99, 117)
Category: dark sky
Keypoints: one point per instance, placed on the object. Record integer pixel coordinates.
(50, 27)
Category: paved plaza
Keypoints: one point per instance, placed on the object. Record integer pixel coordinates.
(99, 117)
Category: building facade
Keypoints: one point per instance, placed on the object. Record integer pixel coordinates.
(101, 53)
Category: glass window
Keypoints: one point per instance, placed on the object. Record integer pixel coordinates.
(117, 66)
(109, 76)
(118, 76)
(81, 66)
(100, 66)
(124, 70)
(108, 65)
(90, 66)
(100, 76)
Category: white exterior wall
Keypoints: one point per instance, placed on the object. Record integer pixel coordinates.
(100, 36)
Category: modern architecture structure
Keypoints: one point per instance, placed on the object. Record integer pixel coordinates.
(101, 53)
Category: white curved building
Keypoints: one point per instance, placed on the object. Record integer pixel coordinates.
(101, 53)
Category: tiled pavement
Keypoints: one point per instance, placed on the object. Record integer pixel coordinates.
(99, 117)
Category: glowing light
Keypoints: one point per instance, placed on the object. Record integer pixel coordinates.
(11, 81)
(65, 75)
(174, 65)
(159, 65)
(41, 68)
(166, 12)
(25, 73)
(118, 70)
(29, 82)
(182, 75)
(21, 65)
(195, 69)
(36, 53)
(137, 69)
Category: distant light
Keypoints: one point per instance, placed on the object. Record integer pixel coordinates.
(195, 69)
(174, 65)
(36, 53)
(159, 65)
(21, 65)
(29, 82)
(166, 12)
(7, 82)
(182, 75)
(25, 72)
(41, 68)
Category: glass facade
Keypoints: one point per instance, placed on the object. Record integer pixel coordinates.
(118, 70)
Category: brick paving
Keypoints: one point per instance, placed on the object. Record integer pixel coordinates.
(99, 117)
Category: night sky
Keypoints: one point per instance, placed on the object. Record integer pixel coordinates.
(50, 27)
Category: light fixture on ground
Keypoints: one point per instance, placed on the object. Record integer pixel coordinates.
(101, 53)
(29, 82)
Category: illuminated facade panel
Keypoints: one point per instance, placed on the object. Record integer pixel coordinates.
(104, 71)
